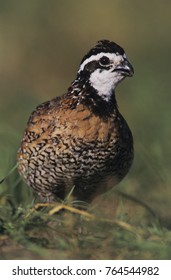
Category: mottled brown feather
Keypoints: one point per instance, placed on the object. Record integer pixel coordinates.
(78, 140)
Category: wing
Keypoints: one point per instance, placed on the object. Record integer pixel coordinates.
(40, 122)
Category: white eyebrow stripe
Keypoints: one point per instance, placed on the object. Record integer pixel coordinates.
(111, 56)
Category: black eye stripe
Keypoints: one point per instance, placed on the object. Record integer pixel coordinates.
(103, 63)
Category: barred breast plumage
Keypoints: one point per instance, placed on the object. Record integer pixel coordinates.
(80, 139)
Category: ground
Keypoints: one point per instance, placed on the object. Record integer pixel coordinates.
(116, 226)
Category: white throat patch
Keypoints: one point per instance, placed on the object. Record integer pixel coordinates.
(105, 80)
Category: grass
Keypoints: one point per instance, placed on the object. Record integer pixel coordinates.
(40, 53)
(38, 56)
(116, 226)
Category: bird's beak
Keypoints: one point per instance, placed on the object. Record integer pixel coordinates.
(125, 68)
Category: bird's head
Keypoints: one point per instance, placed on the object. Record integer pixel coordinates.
(104, 66)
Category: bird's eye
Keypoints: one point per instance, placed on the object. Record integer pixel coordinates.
(104, 60)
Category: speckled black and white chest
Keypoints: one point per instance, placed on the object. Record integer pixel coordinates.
(80, 139)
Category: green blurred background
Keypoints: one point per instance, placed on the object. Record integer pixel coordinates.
(41, 45)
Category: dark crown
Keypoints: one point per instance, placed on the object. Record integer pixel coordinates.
(105, 46)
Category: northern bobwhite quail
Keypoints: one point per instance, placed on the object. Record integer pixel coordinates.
(80, 138)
